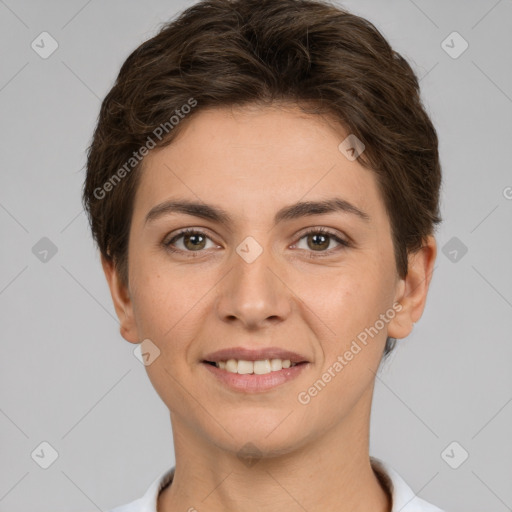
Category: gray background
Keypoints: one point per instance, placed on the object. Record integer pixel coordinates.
(69, 378)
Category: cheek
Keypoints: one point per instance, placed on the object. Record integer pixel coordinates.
(168, 305)
(347, 300)
(350, 357)
(351, 304)
(166, 309)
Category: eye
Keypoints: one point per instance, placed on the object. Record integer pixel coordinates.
(192, 241)
(318, 240)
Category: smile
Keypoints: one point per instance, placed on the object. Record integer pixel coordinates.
(259, 367)
(254, 376)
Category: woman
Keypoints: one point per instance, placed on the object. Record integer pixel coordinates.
(263, 185)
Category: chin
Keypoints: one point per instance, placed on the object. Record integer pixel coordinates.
(255, 438)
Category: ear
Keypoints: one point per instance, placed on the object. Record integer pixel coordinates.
(122, 302)
(412, 291)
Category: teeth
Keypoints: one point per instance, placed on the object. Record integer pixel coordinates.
(260, 367)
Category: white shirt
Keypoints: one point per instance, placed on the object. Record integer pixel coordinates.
(403, 499)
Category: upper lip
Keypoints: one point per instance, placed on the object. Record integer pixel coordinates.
(251, 354)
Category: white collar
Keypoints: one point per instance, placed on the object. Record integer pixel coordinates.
(404, 499)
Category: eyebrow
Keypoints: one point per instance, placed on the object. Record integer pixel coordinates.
(219, 215)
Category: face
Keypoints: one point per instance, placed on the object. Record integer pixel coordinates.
(262, 274)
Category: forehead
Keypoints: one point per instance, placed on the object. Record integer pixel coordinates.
(256, 158)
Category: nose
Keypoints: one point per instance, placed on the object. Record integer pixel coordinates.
(254, 294)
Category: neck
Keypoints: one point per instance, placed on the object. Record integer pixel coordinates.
(331, 473)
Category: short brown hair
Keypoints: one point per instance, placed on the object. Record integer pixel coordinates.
(237, 52)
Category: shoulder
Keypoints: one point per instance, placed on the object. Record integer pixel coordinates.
(148, 502)
(134, 506)
(403, 498)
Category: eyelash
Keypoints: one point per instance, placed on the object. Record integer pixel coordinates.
(312, 231)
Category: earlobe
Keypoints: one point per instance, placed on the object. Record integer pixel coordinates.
(122, 302)
(413, 290)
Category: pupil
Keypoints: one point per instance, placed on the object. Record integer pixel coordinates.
(197, 242)
(321, 245)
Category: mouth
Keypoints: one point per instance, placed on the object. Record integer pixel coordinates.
(250, 360)
(260, 376)
(250, 370)
(257, 367)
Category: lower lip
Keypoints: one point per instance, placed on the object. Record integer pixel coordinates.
(253, 383)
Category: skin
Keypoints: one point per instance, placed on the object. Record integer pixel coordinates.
(252, 161)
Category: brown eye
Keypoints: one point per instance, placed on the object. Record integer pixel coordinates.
(188, 240)
(194, 242)
(318, 241)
